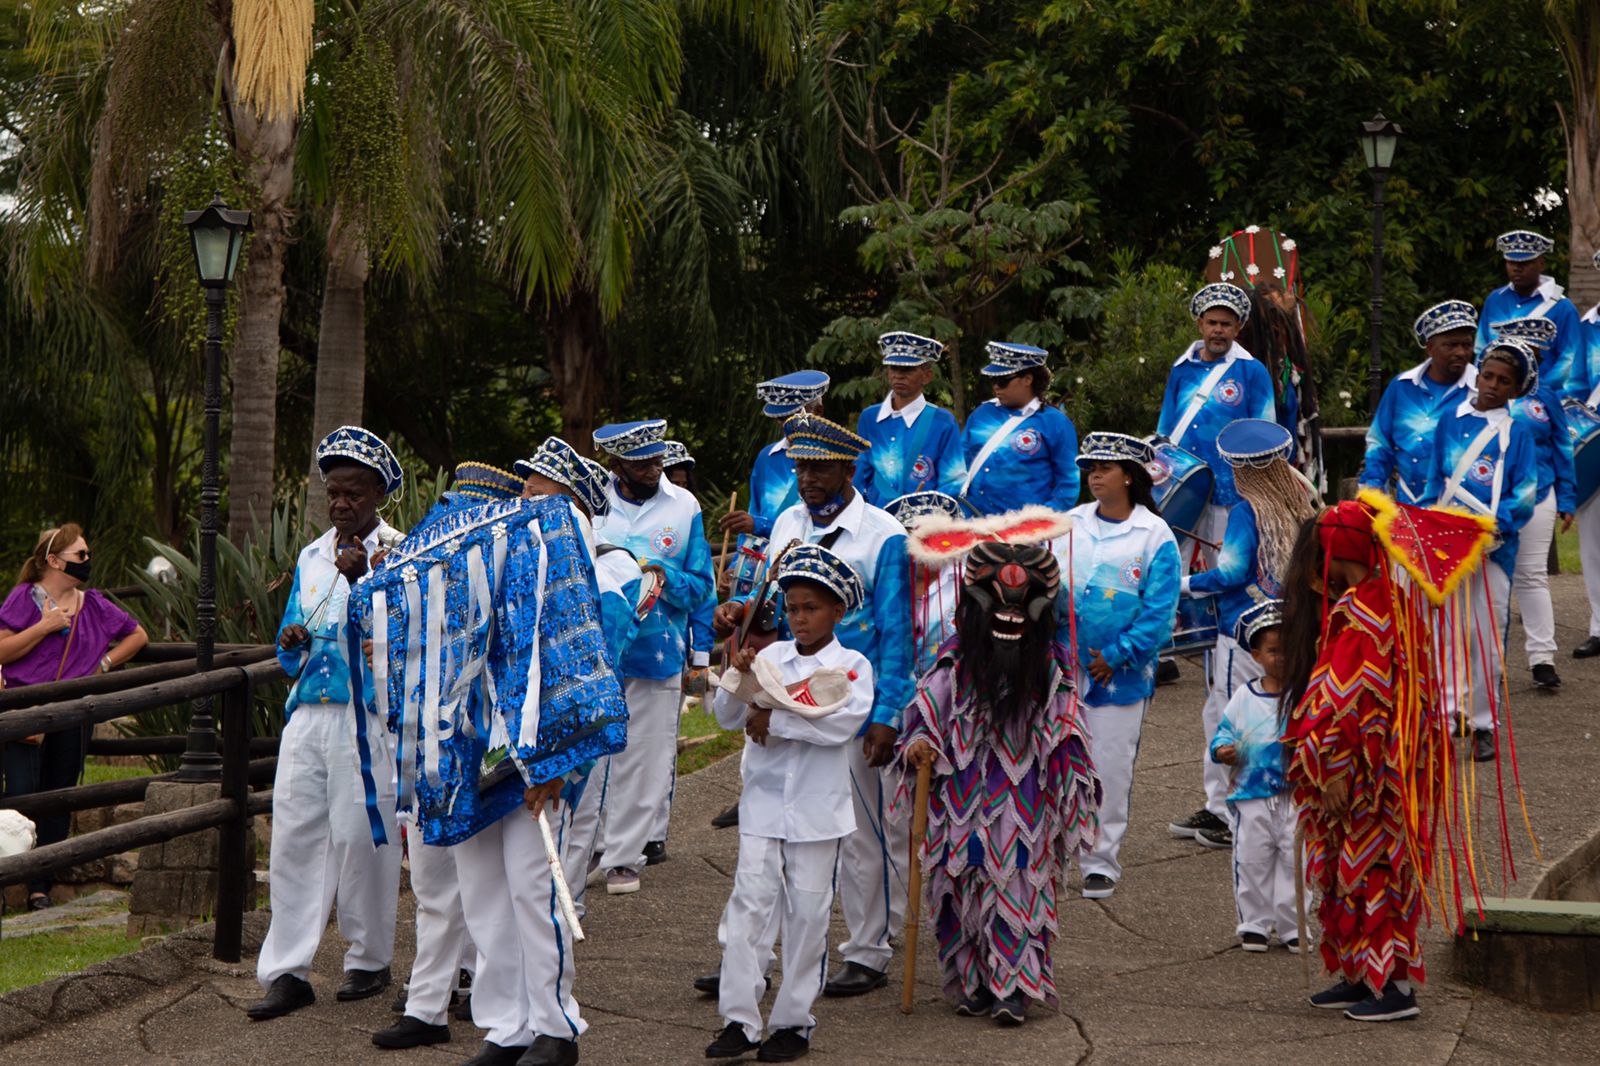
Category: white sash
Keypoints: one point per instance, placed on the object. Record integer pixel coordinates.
(1008, 427)
(1198, 400)
(1470, 456)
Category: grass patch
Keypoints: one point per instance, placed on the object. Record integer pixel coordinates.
(699, 722)
(31, 960)
(1567, 549)
(95, 772)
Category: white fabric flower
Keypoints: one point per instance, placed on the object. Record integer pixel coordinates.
(1278, 272)
(1252, 270)
(1216, 251)
(1252, 229)
(1288, 244)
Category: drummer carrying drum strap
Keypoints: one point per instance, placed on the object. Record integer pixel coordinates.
(1198, 400)
(1470, 456)
(999, 437)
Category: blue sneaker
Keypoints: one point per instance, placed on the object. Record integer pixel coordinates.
(1342, 996)
(1393, 1006)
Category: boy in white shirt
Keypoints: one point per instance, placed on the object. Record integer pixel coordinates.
(1249, 739)
(795, 809)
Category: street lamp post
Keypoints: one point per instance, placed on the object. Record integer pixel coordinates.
(1378, 140)
(217, 234)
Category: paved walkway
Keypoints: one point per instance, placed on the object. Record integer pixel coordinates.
(1151, 976)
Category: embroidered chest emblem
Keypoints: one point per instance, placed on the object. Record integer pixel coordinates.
(922, 468)
(1133, 571)
(1159, 469)
(1230, 392)
(1482, 470)
(665, 541)
(1536, 411)
(1027, 442)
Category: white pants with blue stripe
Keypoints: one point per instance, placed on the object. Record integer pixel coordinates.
(797, 877)
(1263, 865)
(872, 867)
(1114, 732)
(1231, 665)
(641, 773)
(523, 987)
(584, 833)
(443, 947)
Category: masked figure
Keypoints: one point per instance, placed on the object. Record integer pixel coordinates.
(1015, 796)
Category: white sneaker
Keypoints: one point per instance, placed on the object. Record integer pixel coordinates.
(621, 881)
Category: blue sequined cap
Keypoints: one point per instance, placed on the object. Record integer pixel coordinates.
(633, 440)
(1253, 442)
(1255, 618)
(1223, 295)
(1536, 330)
(813, 562)
(909, 349)
(1008, 357)
(1444, 317)
(1521, 245)
(484, 482)
(1522, 353)
(1103, 446)
(676, 455)
(783, 396)
(814, 437)
(914, 505)
(560, 462)
(362, 446)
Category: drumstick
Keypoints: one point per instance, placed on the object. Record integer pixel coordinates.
(733, 505)
(1196, 537)
(563, 893)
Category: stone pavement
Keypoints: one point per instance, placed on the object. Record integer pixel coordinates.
(1151, 976)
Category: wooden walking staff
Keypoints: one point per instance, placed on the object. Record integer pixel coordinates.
(919, 829)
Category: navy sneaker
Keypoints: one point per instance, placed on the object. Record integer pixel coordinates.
(1253, 941)
(1393, 1006)
(1341, 996)
(731, 1043)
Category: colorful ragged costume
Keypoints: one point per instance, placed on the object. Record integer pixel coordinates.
(1369, 718)
(1014, 799)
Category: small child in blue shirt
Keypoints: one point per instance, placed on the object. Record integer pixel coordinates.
(1249, 740)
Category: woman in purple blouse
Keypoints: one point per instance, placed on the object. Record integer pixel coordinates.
(53, 628)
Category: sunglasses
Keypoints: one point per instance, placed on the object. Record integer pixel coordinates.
(81, 556)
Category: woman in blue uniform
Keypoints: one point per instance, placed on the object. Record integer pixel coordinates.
(1020, 450)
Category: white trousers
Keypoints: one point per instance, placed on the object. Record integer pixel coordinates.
(1589, 554)
(1263, 865)
(584, 834)
(322, 849)
(1471, 677)
(799, 879)
(1230, 665)
(1532, 582)
(1113, 745)
(872, 867)
(641, 774)
(523, 987)
(663, 816)
(442, 940)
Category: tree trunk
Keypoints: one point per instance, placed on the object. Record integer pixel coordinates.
(577, 352)
(1583, 199)
(341, 338)
(266, 152)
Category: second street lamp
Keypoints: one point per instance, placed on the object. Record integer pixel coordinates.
(217, 234)
(1379, 138)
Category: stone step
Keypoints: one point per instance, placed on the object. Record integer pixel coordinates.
(1551, 917)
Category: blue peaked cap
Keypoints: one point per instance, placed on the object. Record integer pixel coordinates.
(909, 349)
(1253, 442)
(783, 396)
(813, 562)
(633, 440)
(360, 446)
(1442, 318)
(1521, 245)
(1008, 357)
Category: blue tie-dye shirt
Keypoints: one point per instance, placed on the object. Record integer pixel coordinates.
(1037, 462)
(773, 488)
(1583, 383)
(1243, 391)
(1250, 724)
(1237, 581)
(1400, 439)
(914, 449)
(1509, 468)
(1552, 446)
(1124, 580)
(1556, 364)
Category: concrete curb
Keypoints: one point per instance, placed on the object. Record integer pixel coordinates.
(115, 981)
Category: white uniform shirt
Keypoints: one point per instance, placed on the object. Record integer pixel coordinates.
(797, 785)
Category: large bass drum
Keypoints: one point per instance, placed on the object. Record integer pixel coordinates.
(1583, 422)
(1182, 484)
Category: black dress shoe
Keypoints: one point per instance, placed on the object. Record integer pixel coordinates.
(286, 993)
(1483, 745)
(411, 1032)
(655, 853)
(727, 819)
(492, 1054)
(462, 1012)
(40, 901)
(549, 1051)
(709, 984)
(1588, 649)
(854, 980)
(1167, 672)
(1545, 676)
(359, 984)
(399, 1004)
(731, 1043)
(785, 1045)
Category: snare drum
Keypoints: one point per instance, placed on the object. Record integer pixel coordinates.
(1196, 627)
(1583, 422)
(749, 560)
(1182, 484)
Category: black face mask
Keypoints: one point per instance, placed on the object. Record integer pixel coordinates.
(77, 569)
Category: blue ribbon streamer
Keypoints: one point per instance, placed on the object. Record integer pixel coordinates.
(369, 785)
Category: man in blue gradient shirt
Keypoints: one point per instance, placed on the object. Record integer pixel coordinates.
(1020, 450)
(1531, 292)
(872, 888)
(916, 447)
(660, 524)
(1400, 439)
(772, 484)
